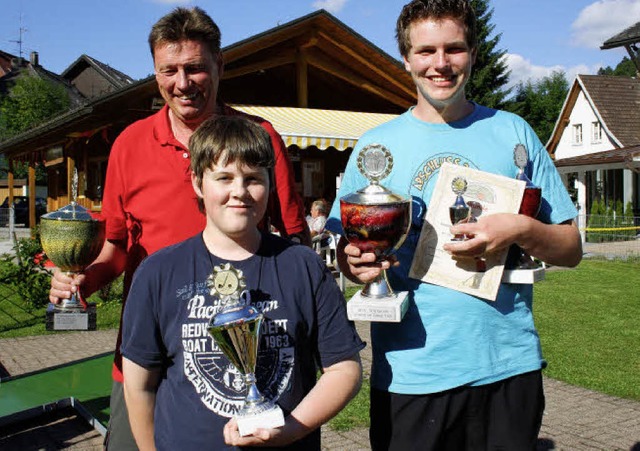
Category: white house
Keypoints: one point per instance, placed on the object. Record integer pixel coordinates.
(596, 141)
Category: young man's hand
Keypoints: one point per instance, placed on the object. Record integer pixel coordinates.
(361, 267)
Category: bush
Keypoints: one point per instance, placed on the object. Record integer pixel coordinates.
(613, 218)
(26, 273)
(596, 217)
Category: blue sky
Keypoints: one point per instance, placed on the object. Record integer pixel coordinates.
(539, 35)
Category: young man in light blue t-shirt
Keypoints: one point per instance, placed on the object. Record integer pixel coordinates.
(458, 372)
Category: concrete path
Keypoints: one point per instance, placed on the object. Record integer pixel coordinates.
(575, 418)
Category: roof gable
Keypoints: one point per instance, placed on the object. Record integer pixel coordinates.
(615, 102)
(94, 78)
(326, 64)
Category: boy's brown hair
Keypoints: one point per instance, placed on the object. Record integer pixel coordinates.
(221, 140)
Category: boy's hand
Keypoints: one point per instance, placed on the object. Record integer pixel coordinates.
(261, 437)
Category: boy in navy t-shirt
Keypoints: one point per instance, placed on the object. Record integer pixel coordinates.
(181, 390)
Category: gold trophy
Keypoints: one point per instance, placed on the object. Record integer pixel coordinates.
(72, 239)
(374, 219)
(236, 330)
(459, 211)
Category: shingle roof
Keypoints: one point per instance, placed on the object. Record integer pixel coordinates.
(5, 62)
(628, 36)
(38, 71)
(114, 76)
(617, 101)
(626, 154)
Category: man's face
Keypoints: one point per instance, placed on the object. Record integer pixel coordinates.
(188, 76)
(439, 62)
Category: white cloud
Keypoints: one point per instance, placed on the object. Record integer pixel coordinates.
(523, 70)
(333, 6)
(603, 19)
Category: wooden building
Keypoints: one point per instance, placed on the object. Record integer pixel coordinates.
(315, 75)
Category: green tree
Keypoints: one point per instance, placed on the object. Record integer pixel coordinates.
(625, 68)
(539, 102)
(30, 101)
(490, 75)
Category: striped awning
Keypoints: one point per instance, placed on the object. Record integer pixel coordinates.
(305, 127)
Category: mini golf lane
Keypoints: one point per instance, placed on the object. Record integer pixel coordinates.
(87, 382)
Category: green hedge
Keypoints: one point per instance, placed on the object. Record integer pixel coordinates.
(610, 216)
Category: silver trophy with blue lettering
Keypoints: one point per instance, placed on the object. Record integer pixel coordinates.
(236, 330)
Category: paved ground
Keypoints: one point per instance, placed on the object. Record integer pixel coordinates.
(574, 419)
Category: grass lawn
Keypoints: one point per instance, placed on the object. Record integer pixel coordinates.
(588, 320)
(17, 321)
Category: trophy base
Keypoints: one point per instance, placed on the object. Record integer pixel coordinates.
(523, 276)
(71, 319)
(389, 309)
(271, 418)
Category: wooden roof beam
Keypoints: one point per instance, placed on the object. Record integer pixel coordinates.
(350, 77)
(368, 63)
(261, 65)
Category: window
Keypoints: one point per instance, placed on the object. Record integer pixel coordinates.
(596, 133)
(577, 134)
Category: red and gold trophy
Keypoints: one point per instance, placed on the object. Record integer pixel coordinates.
(374, 219)
(520, 267)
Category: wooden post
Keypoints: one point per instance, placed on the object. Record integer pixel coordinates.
(32, 193)
(301, 78)
(10, 182)
(71, 164)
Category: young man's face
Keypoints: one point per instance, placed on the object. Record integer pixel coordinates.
(235, 198)
(188, 75)
(439, 61)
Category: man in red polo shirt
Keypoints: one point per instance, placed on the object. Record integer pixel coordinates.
(149, 202)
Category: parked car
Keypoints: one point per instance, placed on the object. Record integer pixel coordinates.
(21, 208)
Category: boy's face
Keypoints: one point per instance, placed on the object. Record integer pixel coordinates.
(235, 198)
(439, 61)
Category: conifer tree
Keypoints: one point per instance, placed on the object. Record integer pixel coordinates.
(490, 75)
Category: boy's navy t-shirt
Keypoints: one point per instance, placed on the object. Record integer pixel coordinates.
(165, 326)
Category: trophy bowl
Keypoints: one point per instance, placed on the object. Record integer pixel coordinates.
(531, 201)
(72, 239)
(375, 223)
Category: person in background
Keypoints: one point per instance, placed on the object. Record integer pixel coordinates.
(179, 387)
(458, 372)
(318, 217)
(317, 221)
(148, 201)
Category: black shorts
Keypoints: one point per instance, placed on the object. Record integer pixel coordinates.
(505, 415)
